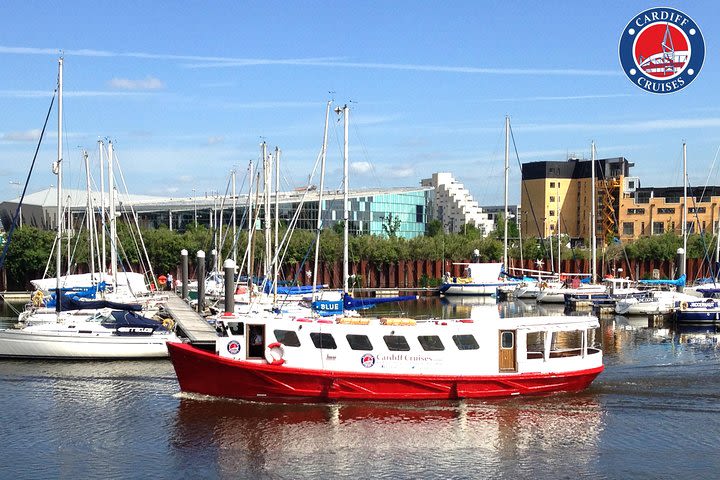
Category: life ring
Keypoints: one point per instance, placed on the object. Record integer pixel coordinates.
(169, 324)
(274, 353)
(37, 298)
(683, 305)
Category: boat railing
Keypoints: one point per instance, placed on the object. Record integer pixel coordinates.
(566, 352)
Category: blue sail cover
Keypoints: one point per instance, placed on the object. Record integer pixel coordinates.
(73, 303)
(680, 282)
(351, 303)
(336, 307)
(291, 290)
(130, 323)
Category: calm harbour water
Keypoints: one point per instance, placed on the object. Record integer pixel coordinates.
(653, 413)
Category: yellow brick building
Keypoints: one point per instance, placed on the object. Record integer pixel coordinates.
(657, 210)
(558, 195)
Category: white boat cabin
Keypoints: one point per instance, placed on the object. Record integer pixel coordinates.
(402, 346)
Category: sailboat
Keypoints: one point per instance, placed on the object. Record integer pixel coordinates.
(485, 278)
(108, 334)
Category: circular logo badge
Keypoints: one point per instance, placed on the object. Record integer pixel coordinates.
(233, 347)
(367, 360)
(662, 50)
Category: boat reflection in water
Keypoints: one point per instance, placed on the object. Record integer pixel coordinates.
(252, 440)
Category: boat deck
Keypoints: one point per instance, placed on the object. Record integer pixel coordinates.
(189, 323)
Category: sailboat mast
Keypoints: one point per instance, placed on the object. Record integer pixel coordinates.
(113, 218)
(234, 216)
(557, 202)
(267, 159)
(268, 213)
(717, 251)
(103, 268)
(251, 228)
(507, 172)
(58, 171)
(593, 265)
(323, 156)
(90, 217)
(685, 199)
(277, 222)
(346, 190)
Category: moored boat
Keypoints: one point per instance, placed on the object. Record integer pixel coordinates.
(112, 336)
(266, 357)
(478, 279)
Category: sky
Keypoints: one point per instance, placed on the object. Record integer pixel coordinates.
(187, 91)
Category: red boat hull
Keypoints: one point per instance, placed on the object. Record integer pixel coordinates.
(207, 373)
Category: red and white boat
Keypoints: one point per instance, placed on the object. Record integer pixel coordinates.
(391, 358)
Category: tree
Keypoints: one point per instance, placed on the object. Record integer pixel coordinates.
(391, 225)
(27, 255)
(434, 228)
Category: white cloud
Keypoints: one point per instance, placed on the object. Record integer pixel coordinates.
(26, 136)
(334, 62)
(403, 172)
(215, 139)
(148, 83)
(361, 167)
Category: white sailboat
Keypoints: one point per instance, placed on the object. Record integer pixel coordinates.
(105, 335)
(485, 278)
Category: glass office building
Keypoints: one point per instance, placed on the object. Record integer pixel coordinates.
(371, 212)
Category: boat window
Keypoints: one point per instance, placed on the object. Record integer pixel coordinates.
(236, 328)
(359, 342)
(594, 340)
(566, 344)
(323, 340)
(535, 345)
(396, 343)
(287, 337)
(465, 342)
(431, 343)
(507, 340)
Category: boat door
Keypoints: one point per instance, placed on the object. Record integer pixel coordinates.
(507, 351)
(256, 341)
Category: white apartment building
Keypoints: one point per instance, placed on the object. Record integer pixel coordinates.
(454, 205)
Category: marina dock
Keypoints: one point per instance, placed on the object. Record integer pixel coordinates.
(190, 324)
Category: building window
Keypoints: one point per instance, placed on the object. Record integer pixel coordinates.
(690, 227)
(552, 213)
(636, 211)
(658, 228)
(552, 198)
(628, 228)
(672, 199)
(666, 210)
(552, 184)
(552, 228)
(631, 185)
(696, 210)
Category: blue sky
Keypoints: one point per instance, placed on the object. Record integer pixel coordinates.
(188, 90)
